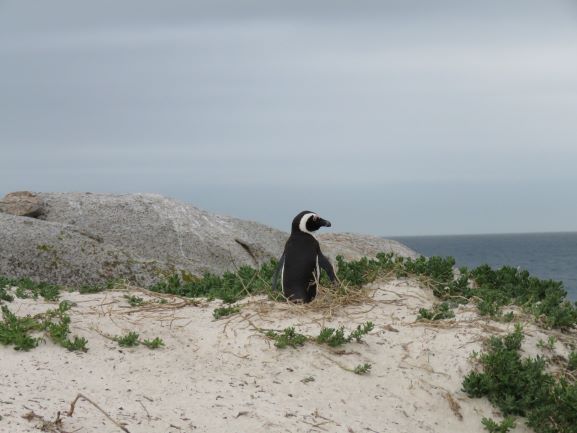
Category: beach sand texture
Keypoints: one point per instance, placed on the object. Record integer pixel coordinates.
(226, 376)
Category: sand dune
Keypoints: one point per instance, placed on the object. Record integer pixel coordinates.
(226, 376)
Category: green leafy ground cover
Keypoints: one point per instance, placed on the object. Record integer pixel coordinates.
(134, 301)
(524, 387)
(229, 287)
(336, 337)
(19, 331)
(26, 288)
(491, 289)
(503, 427)
(329, 336)
(220, 312)
(132, 339)
(288, 337)
(438, 312)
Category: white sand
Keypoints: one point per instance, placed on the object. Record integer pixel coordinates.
(224, 376)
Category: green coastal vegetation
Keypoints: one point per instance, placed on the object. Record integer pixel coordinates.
(489, 289)
(524, 386)
(541, 389)
(53, 323)
(330, 336)
(132, 339)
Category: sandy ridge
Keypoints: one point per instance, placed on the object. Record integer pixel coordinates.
(225, 376)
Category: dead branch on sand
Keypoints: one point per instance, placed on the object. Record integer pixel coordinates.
(79, 396)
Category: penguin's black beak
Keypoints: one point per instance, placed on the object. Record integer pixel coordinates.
(325, 223)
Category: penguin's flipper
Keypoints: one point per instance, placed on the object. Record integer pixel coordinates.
(325, 264)
(276, 272)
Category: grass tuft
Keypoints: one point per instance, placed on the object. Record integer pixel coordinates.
(221, 312)
(128, 340)
(438, 312)
(153, 344)
(547, 345)
(132, 340)
(336, 337)
(362, 368)
(134, 301)
(78, 344)
(503, 427)
(5, 296)
(288, 337)
(333, 337)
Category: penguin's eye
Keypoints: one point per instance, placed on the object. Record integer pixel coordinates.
(315, 217)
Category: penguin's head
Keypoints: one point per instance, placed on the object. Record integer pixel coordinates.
(308, 222)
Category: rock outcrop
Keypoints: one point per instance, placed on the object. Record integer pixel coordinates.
(88, 238)
(21, 203)
(353, 246)
(61, 254)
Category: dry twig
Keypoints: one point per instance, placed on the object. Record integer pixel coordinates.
(79, 396)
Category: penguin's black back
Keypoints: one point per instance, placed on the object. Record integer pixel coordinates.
(300, 265)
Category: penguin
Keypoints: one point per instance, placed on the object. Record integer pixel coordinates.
(302, 259)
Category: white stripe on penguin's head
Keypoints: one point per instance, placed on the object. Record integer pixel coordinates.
(303, 222)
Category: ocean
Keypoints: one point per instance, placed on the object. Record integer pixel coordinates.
(545, 255)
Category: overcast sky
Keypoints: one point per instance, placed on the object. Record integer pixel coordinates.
(399, 117)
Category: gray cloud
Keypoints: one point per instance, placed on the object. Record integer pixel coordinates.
(368, 106)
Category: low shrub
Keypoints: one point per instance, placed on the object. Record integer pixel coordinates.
(522, 386)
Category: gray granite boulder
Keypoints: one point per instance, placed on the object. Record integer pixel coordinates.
(164, 230)
(62, 254)
(88, 238)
